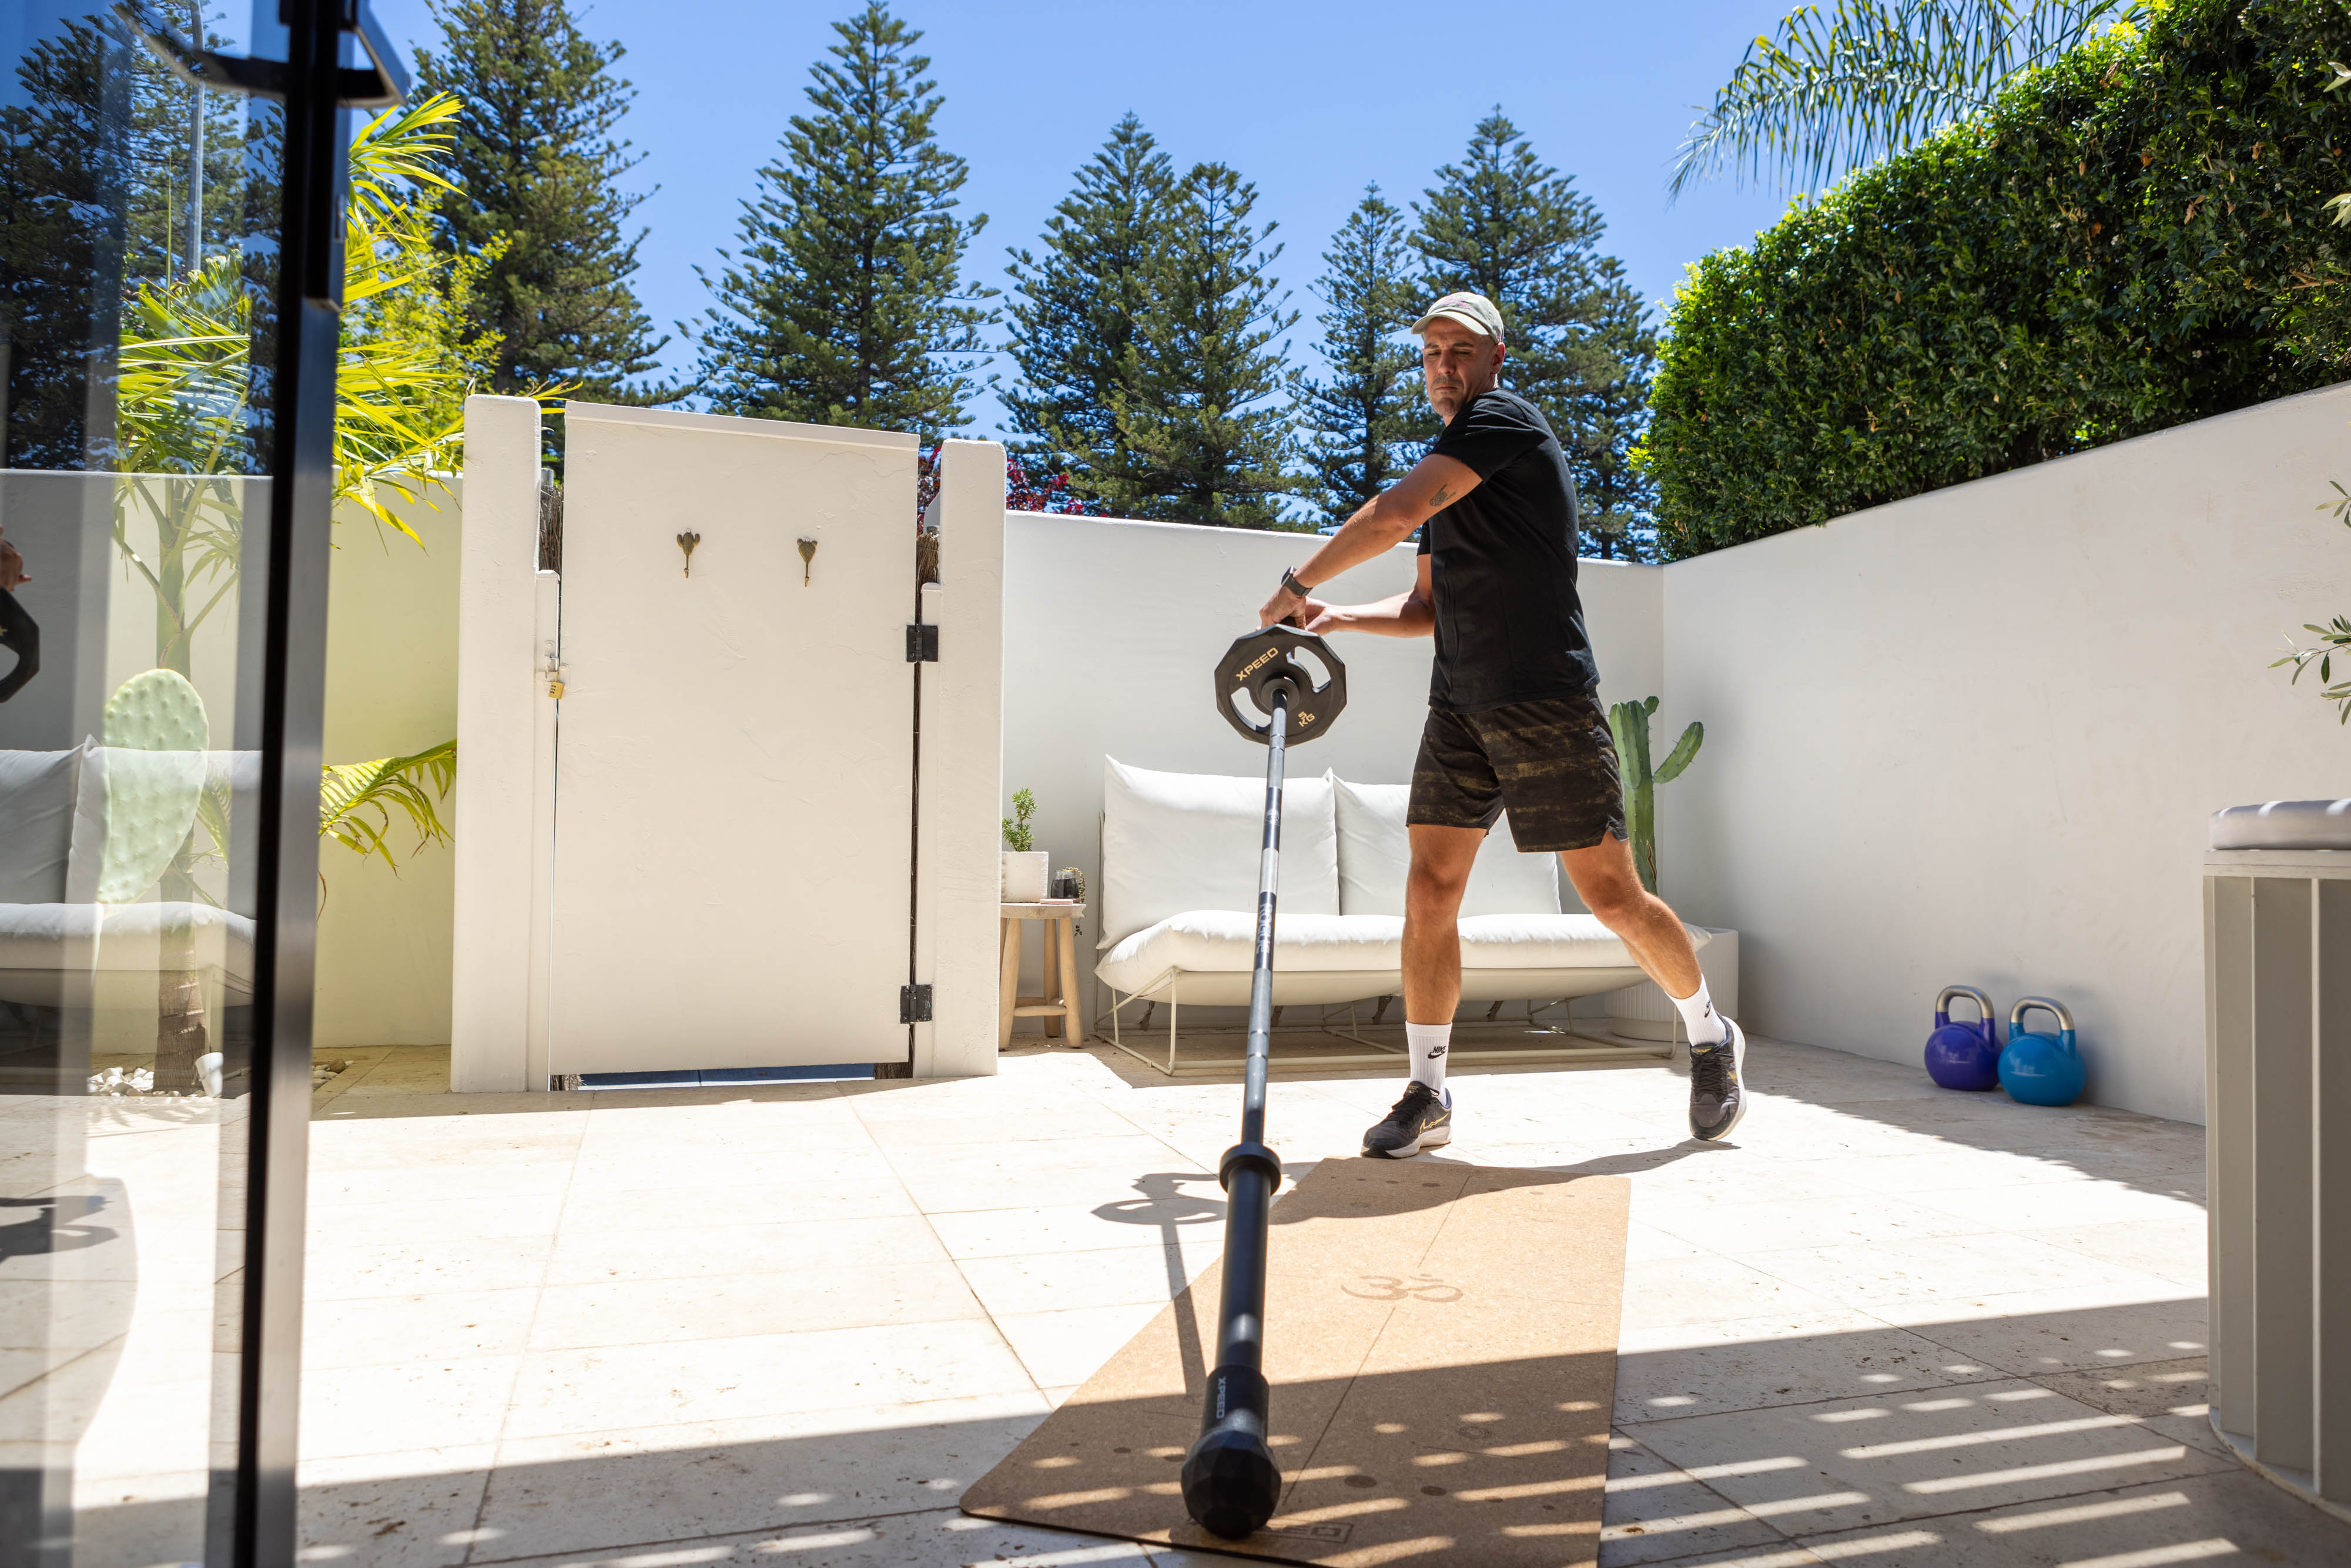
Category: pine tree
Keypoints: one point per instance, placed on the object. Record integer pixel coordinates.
(535, 171)
(1606, 415)
(1366, 420)
(1503, 223)
(843, 306)
(1196, 436)
(1073, 313)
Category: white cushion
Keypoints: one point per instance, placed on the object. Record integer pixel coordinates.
(1546, 942)
(84, 936)
(1212, 941)
(1174, 842)
(37, 815)
(1375, 852)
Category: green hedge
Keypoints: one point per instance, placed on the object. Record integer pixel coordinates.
(2134, 238)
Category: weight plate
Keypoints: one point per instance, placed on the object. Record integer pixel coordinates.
(1256, 666)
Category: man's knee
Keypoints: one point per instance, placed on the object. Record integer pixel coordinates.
(1614, 900)
(1435, 888)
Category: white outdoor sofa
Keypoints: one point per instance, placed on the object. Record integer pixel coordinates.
(1178, 895)
(60, 946)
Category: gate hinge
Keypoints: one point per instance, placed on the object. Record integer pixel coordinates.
(914, 1004)
(922, 644)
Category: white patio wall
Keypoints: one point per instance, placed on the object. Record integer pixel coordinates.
(1112, 630)
(1973, 737)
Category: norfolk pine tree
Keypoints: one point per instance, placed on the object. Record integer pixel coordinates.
(1365, 421)
(535, 167)
(1199, 437)
(1073, 312)
(842, 306)
(1506, 225)
(1606, 415)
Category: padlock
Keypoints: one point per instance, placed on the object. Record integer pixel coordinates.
(2042, 1069)
(1964, 1055)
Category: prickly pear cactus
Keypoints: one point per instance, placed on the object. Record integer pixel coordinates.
(156, 736)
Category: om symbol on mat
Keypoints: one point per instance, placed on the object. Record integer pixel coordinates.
(1391, 1288)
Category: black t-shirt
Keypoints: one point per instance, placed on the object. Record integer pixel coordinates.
(1509, 627)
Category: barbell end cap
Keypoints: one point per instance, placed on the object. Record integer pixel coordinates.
(1254, 1156)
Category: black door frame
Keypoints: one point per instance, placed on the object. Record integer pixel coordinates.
(317, 92)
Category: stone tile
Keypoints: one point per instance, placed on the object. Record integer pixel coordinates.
(1949, 1168)
(1098, 1170)
(2095, 1200)
(1647, 1243)
(421, 1268)
(1189, 1212)
(375, 1331)
(412, 1509)
(736, 1306)
(2034, 1333)
(2234, 1515)
(1814, 1222)
(1081, 1119)
(425, 1181)
(2173, 1250)
(1818, 1468)
(594, 1257)
(1749, 1364)
(621, 1386)
(1879, 1275)
(731, 1204)
(594, 1489)
(1668, 1292)
(944, 1539)
(1655, 1511)
(1110, 1277)
(2146, 1388)
(647, 1166)
(413, 1404)
(1067, 1347)
(477, 1217)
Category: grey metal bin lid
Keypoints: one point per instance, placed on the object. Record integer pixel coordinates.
(2284, 825)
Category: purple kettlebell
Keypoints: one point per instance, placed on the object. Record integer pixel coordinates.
(1964, 1055)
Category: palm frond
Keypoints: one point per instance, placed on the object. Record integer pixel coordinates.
(396, 152)
(356, 799)
(1837, 90)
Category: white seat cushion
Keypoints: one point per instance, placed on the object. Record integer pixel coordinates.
(1375, 852)
(66, 937)
(1174, 842)
(1546, 942)
(1224, 941)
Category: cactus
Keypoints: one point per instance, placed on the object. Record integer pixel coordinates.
(1629, 723)
(156, 736)
(156, 733)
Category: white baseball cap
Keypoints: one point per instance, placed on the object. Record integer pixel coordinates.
(1473, 311)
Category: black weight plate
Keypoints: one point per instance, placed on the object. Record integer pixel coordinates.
(1256, 663)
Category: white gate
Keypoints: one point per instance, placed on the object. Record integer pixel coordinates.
(686, 801)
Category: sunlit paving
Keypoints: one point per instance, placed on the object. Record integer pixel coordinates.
(1891, 1325)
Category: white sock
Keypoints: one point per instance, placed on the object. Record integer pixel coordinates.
(1427, 1044)
(1705, 1025)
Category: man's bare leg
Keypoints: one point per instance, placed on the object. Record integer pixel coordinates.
(1423, 1118)
(1610, 886)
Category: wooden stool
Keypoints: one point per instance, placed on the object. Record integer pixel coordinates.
(1058, 1006)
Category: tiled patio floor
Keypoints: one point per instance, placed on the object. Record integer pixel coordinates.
(1889, 1324)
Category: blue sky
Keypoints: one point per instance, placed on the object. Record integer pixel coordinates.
(1309, 98)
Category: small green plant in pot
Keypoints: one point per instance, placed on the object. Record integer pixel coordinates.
(1629, 723)
(1026, 866)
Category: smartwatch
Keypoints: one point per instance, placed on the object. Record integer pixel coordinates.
(1289, 581)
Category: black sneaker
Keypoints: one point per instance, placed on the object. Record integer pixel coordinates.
(1718, 1098)
(1423, 1119)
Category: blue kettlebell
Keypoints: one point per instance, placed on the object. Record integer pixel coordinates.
(1964, 1055)
(2042, 1069)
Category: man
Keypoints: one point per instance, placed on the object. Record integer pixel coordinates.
(1514, 721)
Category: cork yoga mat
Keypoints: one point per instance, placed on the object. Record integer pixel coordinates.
(1441, 1340)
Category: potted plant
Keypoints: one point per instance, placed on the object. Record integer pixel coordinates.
(1025, 866)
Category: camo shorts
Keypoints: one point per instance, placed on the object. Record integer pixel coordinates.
(1551, 764)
